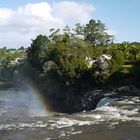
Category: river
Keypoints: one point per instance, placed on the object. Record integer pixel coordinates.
(23, 116)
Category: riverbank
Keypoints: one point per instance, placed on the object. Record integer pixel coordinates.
(86, 95)
(70, 102)
(83, 97)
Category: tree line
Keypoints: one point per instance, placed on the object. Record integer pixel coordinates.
(69, 62)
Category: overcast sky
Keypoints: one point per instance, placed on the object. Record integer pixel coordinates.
(23, 20)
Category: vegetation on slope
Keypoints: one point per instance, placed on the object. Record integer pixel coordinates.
(69, 63)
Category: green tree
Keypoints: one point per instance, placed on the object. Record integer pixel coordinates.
(133, 51)
(36, 53)
(94, 32)
(79, 29)
(55, 36)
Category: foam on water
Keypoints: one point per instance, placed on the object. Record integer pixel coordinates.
(109, 114)
(120, 109)
(108, 110)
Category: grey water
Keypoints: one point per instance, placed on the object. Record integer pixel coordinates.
(23, 116)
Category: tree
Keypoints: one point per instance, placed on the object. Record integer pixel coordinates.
(21, 48)
(55, 36)
(66, 30)
(36, 53)
(94, 32)
(133, 51)
(79, 29)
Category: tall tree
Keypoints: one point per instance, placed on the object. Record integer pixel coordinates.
(36, 53)
(94, 32)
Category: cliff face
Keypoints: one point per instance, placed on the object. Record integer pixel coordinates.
(69, 102)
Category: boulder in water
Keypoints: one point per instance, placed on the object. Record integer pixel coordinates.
(90, 100)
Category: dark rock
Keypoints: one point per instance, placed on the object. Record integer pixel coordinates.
(128, 91)
(74, 100)
(90, 100)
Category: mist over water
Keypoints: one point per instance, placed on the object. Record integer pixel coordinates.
(23, 115)
(21, 103)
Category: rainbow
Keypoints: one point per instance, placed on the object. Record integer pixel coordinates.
(39, 105)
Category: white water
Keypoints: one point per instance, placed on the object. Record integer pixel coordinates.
(22, 117)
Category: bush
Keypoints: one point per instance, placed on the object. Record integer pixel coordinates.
(136, 70)
(117, 60)
(103, 67)
(66, 61)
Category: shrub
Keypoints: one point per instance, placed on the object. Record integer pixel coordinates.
(136, 70)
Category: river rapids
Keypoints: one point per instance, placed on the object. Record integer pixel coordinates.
(24, 117)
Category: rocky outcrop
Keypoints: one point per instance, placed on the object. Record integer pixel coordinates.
(68, 102)
(92, 98)
(130, 90)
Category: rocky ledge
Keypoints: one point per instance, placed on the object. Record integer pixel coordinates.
(91, 99)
